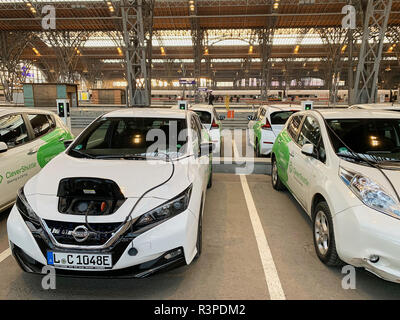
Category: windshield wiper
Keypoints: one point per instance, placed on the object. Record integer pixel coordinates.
(122, 156)
(85, 155)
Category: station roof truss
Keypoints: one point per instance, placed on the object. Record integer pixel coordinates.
(229, 32)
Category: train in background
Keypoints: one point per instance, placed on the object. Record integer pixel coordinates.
(253, 96)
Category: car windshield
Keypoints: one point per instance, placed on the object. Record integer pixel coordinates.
(132, 138)
(376, 140)
(280, 117)
(205, 116)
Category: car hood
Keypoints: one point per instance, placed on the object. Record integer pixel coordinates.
(134, 177)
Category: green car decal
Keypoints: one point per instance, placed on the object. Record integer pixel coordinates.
(53, 145)
(285, 166)
(257, 132)
(282, 154)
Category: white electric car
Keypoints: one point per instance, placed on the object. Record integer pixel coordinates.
(343, 167)
(29, 139)
(211, 121)
(124, 200)
(265, 126)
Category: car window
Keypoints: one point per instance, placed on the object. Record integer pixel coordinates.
(196, 135)
(215, 115)
(311, 133)
(262, 113)
(13, 130)
(259, 114)
(133, 136)
(205, 116)
(280, 117)
(379, 139)
(294, 126)
(41, 124)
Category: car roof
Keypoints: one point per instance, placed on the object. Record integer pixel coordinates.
(282, 107)
(202, 107)
(354, 114)
(8, 110)
(380, 106)
(147, 113)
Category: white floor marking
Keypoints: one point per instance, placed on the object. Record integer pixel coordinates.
(271, 274)
(5, 254)
(236, 154)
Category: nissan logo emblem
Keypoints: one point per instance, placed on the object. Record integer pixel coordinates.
(80, 233)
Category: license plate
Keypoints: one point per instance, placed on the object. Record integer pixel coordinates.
(79, 260)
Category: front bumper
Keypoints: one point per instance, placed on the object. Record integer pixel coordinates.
(361, 232)
(179, 233)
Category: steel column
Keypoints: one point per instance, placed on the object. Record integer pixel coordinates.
(375, 25)
(137, 25)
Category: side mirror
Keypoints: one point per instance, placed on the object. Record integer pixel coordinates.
(206, 148)
(308, 150)
(3, 147)
(67, 143)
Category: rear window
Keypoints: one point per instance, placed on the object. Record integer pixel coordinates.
(205, 117)
(281, 117)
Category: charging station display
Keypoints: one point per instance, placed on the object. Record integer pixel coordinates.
(63, 111)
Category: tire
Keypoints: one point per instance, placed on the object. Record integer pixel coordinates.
(258, 153)
(276, 181)
(324, 235)
(209, 184)
(199, 242)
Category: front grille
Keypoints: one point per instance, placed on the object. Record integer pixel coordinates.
(62, 232)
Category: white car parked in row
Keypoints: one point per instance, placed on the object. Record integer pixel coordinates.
(266, 125)
(29, 139)
(125, 199)
(211, 121)
(343, 167)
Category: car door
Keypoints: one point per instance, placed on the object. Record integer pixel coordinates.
(18, 162)
(283, 150)
(251, 124)
(48, 137)
(306, 169)
(205, 163)
(260, 121)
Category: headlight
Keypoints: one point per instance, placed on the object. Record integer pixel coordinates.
(370, 193)
(25, 209)
(166, 210)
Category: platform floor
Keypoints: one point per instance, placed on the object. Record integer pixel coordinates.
(231, 264)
